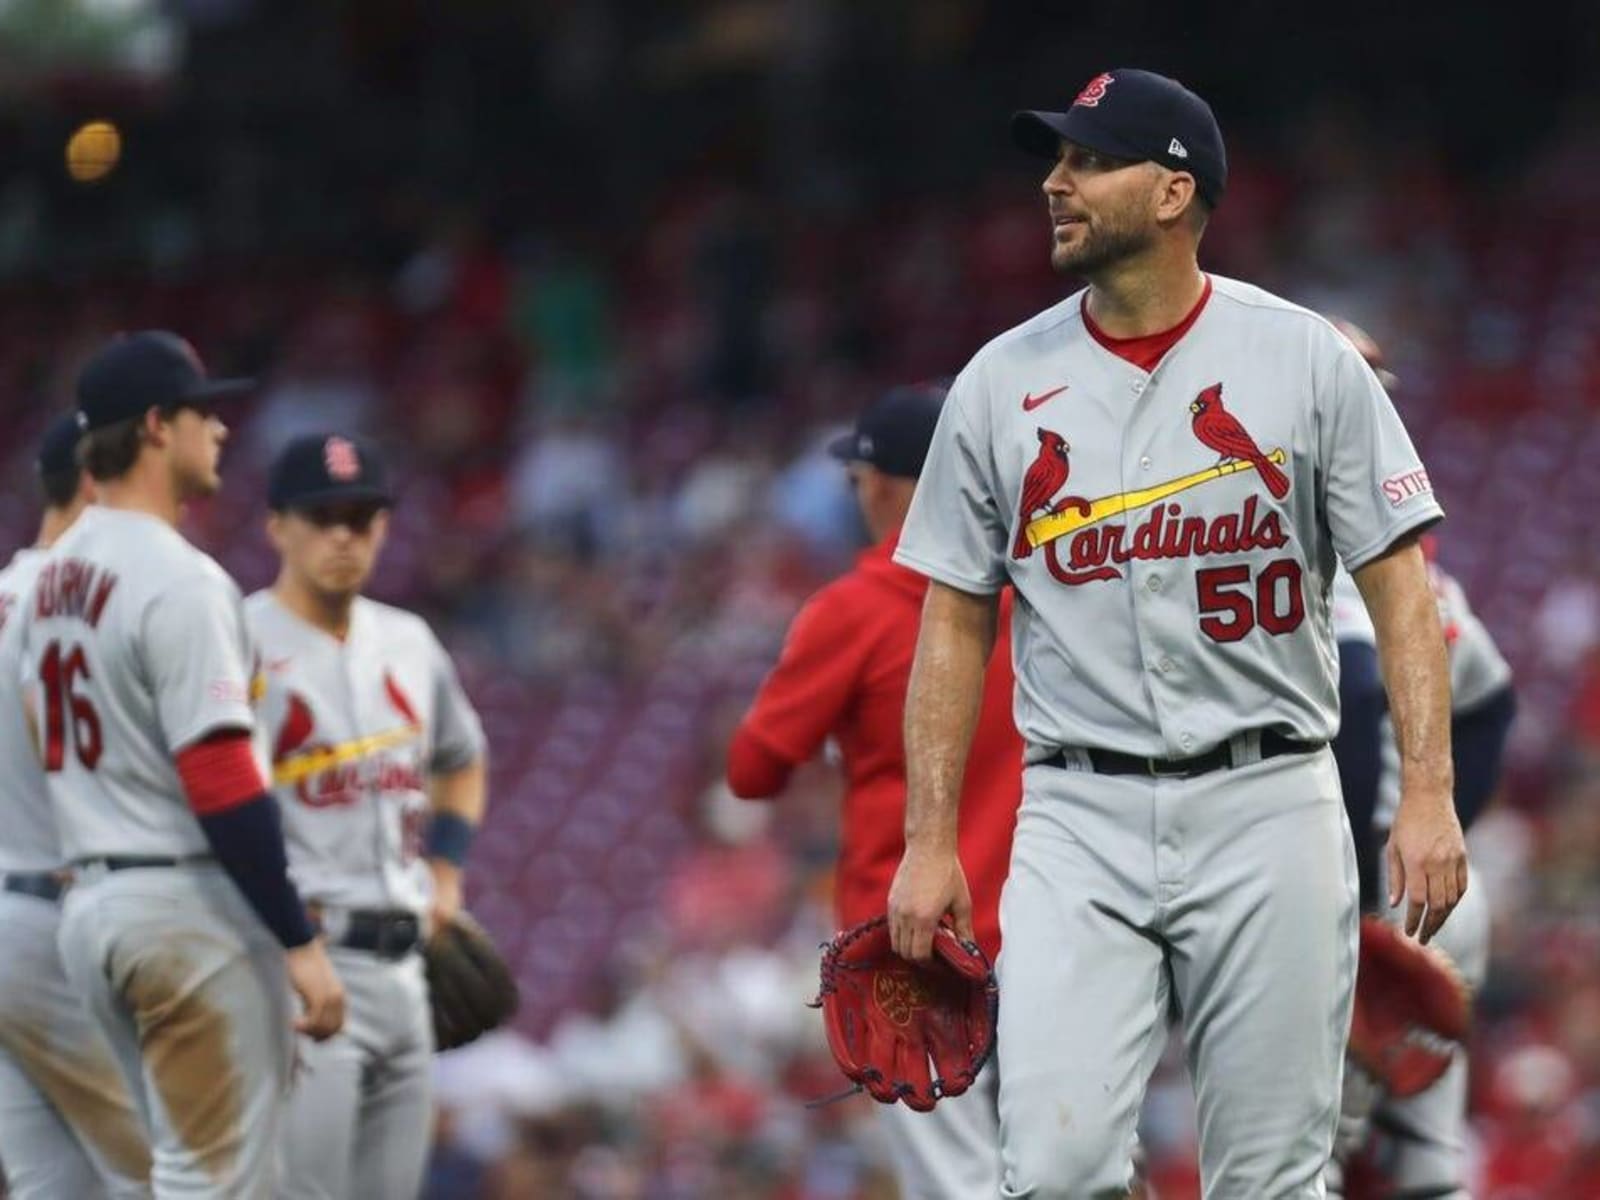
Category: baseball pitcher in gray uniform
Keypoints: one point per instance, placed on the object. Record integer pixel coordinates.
(182, 931)
(378, 765)
(1167, 466)
(1422, 1139)
(68, 1130)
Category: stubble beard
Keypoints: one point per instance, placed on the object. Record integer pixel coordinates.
(1101, 249)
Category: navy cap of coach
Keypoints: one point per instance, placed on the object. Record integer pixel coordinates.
(893, 433)
(1136, 115)
(327, 468)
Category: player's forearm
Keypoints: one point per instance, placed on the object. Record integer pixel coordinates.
(942, 705)
(464, 792)
(1416, 674)
(459, 799)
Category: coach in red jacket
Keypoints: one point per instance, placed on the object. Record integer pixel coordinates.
(843, 674)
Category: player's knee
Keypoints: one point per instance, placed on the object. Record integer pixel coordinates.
(1085, 1164)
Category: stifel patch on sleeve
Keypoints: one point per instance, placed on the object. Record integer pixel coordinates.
(1397, 489)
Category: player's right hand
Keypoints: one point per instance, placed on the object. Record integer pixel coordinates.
(927, 885)
(314, 980)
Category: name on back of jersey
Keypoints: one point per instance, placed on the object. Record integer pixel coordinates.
(73, 588)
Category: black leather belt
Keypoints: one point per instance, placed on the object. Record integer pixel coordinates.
(132, 862)
(386, 932)
(45, 885)
(1114, 762)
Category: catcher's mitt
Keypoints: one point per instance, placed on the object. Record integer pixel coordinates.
(887, 1017)
(470, 988)
(1411, 1007)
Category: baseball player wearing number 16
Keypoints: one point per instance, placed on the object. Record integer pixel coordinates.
(1167, 466)
(378, 764)
(182, 931)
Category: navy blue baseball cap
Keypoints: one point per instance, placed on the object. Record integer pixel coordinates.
(58, 448)
(135, 372)
(1137, 115)
(894, 432)
(327, 468)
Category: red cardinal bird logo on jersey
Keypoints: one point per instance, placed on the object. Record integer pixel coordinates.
(401, 704)
(297, 728)
(1219, 429)
(1045, 477)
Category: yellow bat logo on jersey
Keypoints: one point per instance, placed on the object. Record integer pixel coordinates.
(303, 765)
(1059, 524)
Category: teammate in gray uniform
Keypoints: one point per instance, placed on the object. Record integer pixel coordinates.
(1167, 467)
(378, 764)
(68, 1130)
(1422, 1139)
(182, 931)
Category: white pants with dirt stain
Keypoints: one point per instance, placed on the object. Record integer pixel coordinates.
(192, 993)
(68, 1129)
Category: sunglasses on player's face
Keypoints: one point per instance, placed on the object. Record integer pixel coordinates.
(357, 518)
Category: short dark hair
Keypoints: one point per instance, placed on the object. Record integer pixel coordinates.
(110, 451)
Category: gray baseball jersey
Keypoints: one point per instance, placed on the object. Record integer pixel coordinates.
(1171, 535)
(134, 647)
(1426, 1148)
(355, 728)
(30, 842)
(67, 1123)
(1477, 668)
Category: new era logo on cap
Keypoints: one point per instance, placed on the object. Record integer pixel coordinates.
(1176, 149)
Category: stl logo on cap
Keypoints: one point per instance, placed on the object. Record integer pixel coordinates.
(340, 457)
(1095, 90)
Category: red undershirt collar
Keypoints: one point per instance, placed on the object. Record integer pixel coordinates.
(1146, 350)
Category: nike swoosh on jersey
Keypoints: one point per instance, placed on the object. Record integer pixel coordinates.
(1031, 402)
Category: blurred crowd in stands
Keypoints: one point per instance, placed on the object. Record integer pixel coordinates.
(614, 496)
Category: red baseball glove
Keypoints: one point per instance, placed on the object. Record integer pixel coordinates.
(902, 1030)
(1411, 1006)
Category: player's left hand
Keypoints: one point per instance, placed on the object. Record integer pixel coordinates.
(1427, 860)
(446, 902)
